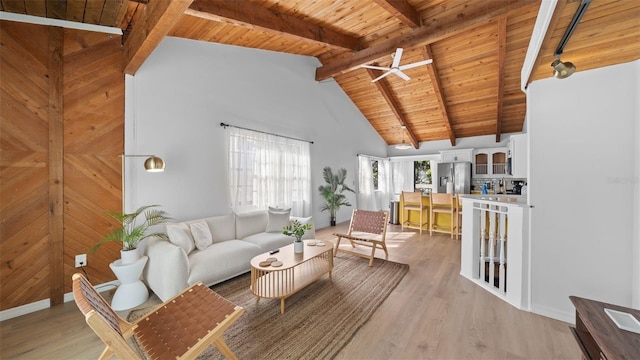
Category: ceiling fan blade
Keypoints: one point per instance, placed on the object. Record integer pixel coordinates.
(396, 58)
(375, 67)
(402, 75)
(419, 63)
(381, 76)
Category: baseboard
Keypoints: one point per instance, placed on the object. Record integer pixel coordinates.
(24, 309)
(43, 304)
(554, 314)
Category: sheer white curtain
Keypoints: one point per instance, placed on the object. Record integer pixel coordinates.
(269, 170)
(383, 195)
(370, 198)
(366, 197)
(401, 177)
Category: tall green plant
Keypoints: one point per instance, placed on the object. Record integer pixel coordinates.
(332, 192)
(130, 234)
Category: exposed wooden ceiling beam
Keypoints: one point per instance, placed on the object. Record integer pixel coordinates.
(502, 54)
(122, 12)
(437, 88)
(387, 94)
(423, 35)
(157, 19)
(402, 10)
(248, 15)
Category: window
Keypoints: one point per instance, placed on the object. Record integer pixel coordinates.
(374, 169)
(268, 170)
(422, 175)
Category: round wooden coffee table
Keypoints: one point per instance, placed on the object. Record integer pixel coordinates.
(290, 272)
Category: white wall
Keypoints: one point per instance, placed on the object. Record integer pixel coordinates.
(636, 209)
(182, 92)
(583, 184)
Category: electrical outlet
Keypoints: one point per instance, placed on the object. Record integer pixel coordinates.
(81, 260)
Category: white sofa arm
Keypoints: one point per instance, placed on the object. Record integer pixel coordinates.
(167, 269)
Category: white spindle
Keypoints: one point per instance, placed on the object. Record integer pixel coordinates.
(503, 247)
(483, 230)
(492, 246)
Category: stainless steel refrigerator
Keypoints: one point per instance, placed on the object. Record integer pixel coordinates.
(459, 173)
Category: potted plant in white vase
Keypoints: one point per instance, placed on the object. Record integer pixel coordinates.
(332, 192)
(130, 233)
(297, 230)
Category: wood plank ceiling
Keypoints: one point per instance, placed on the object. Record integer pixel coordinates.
(471, 88)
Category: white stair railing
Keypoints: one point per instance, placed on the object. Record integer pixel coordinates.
(495, 233)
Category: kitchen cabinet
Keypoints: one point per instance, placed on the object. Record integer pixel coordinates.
(518, 150)
(463, 155)
(490, 162)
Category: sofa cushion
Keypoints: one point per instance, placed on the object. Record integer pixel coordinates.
(180, 234)
(309, 234)
(201, 234)
(276, 220)
(222, 261)
(222, 228)
(250, 223)
(269, 241)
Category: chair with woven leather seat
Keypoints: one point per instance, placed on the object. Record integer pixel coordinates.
(412, 201)
(181, 328)
(367, 228)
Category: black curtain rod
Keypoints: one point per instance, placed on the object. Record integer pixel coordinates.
(263, 132)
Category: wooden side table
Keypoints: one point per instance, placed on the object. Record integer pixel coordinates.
(132, 291)
(598, 336)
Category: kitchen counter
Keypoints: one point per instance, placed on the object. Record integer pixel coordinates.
(518, 199)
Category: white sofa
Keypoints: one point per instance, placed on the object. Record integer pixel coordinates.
(213, 249)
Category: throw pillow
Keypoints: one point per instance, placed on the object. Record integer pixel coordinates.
(277, 220)
(251, 223)
(274, 209)
(201, 234)
(180, 235)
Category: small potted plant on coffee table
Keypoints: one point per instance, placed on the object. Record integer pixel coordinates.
(297, 230)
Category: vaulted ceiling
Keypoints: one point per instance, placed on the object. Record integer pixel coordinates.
(472, 87)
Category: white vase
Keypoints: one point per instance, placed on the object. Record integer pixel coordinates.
(298, 247)
(129, 256)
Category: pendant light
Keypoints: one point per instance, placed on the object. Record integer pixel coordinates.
(403, 145)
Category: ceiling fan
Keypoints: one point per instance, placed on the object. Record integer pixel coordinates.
(396, 68)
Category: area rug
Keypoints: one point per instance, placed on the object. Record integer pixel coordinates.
(319, 320)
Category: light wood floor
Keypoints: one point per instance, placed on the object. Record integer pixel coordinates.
(434, 313)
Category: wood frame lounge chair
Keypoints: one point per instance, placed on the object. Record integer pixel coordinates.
(367, 228)
(181, 328)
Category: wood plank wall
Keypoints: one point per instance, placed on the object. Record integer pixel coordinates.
(38, 166)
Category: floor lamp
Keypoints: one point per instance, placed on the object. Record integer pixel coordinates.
(152, 164)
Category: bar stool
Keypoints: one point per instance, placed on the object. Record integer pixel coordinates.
(442, 204)
(412, 201)
(458, 201)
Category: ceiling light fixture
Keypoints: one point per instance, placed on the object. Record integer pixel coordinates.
(562, 70)
(403, 145)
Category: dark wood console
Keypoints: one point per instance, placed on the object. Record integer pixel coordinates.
(598, 336)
